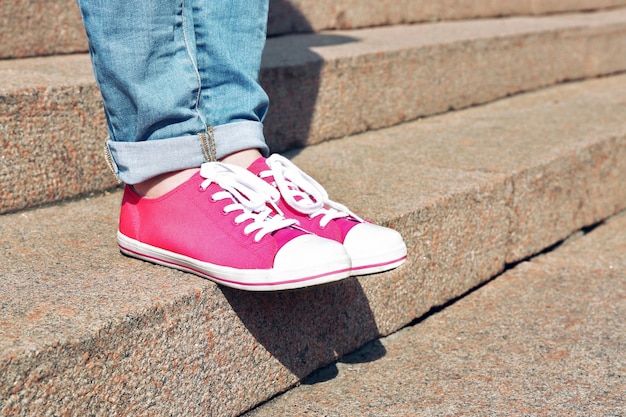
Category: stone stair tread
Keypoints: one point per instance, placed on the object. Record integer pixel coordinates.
(297, 49)
(519, 141)
(322, 86)
(45, 72)
(301, 15)
(550, 330)
(337, 44)
(54, 27)
(86, 329)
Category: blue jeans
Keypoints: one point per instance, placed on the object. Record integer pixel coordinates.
(179, 80)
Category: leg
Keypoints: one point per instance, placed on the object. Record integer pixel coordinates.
(176, 96)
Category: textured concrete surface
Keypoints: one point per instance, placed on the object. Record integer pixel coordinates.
(546, 338)
(288, 16)
(563, 150)
(86, 330)
(36, 28)
(339, 83)
(52, 132)
(322, 86)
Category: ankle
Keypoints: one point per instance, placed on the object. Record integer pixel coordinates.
(164, 183)
(243, 158)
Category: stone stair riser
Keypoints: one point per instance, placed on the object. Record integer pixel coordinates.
(362, 80)
(40, 28)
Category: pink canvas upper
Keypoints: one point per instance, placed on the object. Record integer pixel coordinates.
(200, 228)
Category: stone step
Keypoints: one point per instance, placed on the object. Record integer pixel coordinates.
(322, 86)
(86, 331)
(544, 338)
(36, 28)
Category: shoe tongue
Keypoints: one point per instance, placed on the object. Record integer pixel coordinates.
(258, 166)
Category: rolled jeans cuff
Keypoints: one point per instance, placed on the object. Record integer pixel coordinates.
(134, 162)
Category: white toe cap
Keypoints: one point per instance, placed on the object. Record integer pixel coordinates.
(374, 248)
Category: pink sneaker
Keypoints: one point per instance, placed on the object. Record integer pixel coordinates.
(372, 248)
(220, 225)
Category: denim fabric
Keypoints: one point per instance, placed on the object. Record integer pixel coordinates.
(176, 73)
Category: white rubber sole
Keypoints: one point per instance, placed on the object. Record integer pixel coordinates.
(385, 262)
(330, 270)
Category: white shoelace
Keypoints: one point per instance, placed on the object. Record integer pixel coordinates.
(250, 195)
(303, 193)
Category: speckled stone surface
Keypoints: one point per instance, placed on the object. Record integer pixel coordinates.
(322, 86)
(547, 338)
(40, 27)
(563, 150)
(338, 83)
(86, 330)
(52, 132)
(301, 15)
(36, 28)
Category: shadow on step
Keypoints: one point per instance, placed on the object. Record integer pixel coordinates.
(309, 328)
(293, 81)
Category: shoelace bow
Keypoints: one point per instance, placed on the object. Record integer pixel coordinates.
(249, 194)
(303, 193)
